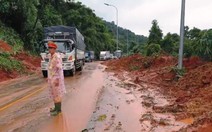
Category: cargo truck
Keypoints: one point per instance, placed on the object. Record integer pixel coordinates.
(71, 46)
(89, 56)
(104, 55)
(118, 53)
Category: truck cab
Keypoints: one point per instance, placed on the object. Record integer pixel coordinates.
(118, 53)
(104, 55)
(70, 45)
(89, 56)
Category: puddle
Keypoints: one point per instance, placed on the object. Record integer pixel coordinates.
(123, 103)
(78, 104)
(188, 121)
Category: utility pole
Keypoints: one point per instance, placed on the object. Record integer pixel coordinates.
(127, 43)
(182, 25)
(117, 31)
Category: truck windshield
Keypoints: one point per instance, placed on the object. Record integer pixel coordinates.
(86, 54)
(61, 46)
(102, 54)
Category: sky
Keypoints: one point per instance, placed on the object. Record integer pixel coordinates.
(137, 15)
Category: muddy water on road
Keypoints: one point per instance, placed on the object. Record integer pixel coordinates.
(117, 110)
(96, 101)
(79, 102)
(127, 107)
(31, 114)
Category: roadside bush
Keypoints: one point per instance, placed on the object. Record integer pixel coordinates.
(188, 49)
(153, 49)
(179, 72)
(204, 46)
(11, 37)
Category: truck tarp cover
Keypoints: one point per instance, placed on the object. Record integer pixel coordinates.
(75, 34)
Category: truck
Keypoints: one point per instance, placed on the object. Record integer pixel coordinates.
(71, 46)
(89, 56)
(118, 53)
(104, 55)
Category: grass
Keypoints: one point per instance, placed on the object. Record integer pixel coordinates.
(10, 36)
(9, 64)
(179, 72)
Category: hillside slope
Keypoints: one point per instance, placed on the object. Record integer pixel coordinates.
(14, 61)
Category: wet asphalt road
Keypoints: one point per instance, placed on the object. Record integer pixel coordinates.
(24, 103)
(96, 101)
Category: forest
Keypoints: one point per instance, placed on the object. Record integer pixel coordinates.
(22, 23)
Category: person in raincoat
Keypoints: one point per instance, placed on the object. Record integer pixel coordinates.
(55, 78)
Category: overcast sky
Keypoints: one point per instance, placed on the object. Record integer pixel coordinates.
(137, 15)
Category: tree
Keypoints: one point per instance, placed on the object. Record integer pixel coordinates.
(153, 49)
(170, 42)
(194, 34)
(203, 47)
(155, 33)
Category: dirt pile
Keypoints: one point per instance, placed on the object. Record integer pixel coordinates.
(194, 91)
(191, 93)
(192, 62)
(125, 63)
(32, 63)
(5, 75)
(137, 62)
(200, 77)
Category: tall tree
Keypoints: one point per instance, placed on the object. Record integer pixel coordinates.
(155, 33)
(194, 34)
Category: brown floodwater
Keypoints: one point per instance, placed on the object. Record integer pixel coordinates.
(79, 103)
(95, 101)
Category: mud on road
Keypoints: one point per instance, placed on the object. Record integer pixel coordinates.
(25, 102)
(127, 107)
(96, 101)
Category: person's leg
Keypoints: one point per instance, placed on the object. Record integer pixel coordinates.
(57, 109)
(57, 102)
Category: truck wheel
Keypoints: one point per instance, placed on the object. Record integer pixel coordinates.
(73, 71)
(45, 74)
(80, 68)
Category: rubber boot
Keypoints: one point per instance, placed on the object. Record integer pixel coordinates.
(57, 109)
(53, 109)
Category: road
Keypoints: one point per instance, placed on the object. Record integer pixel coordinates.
(96, 101)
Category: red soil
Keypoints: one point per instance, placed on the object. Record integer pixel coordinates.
(192, 92)
(5, 47)
(31, 63)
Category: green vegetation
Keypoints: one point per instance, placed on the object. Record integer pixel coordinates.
(155, 34)
(153, 49)
(23, 21)
(102, 118)
(9, 64)
(179, 72)
(28, 18)
(136, 42)
(11, 37)
(197, 43)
